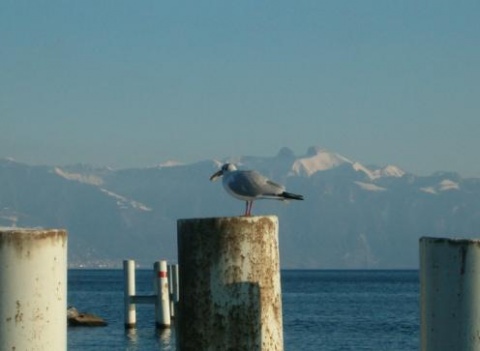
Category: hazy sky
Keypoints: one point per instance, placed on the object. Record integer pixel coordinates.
(138, 83)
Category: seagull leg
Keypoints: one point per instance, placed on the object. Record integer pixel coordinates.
(248, 211)
(246, 208)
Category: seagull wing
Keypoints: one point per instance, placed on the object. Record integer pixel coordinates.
(251, 184)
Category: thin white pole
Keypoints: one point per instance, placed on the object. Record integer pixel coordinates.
(33, 289)
(162, 306)
(173, 287)
(170, 290)
(174, 293)
(129, 293)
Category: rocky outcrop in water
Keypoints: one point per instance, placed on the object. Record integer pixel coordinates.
(80, 319)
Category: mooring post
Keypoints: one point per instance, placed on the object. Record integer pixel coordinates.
(33, 289)
(173, 287)
(449, 294)
(230, 294)
(129, 292)
(162, 303)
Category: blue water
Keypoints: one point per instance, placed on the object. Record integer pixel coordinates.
(322, 310)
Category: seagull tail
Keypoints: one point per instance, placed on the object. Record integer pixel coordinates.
(291, 196)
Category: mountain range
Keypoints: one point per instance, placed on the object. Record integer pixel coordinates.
(354, 216)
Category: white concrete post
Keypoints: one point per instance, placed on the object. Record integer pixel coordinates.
(162, 304)
(230, 294)
(449, 294)
(33, 289)
(129, 293)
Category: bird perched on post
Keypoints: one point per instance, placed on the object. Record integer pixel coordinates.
(251, 185)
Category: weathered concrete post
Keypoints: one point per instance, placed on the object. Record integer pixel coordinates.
(449, 294)
(33, 289)
(230, 294)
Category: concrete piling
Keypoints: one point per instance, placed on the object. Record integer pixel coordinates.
(230, 294)
(33, 289)
(449, 294)
(160, 298)
(130, 312)
(162, 293)
(173, 287)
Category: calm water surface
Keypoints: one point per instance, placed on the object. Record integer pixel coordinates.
(322, 310)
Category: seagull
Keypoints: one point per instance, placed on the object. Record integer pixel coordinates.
(251, 185)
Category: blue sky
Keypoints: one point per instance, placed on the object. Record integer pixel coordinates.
(137, 83)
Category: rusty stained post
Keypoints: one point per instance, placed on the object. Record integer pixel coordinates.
(230, 294)
(449, 294)
(33, 289)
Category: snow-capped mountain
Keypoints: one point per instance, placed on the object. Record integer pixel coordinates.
(353, 216)
(317, 160)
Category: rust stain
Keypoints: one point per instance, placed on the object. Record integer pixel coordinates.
(24, 240)
(19, 314)
(451, 241)
(235, 302)
(59, 291)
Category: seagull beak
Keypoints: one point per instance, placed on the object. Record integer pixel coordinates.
(216, 175)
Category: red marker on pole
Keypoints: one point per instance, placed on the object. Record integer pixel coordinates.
(162, 274)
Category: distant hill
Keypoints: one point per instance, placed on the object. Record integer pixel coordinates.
(353, 216)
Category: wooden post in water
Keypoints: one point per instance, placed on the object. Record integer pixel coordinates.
(230, 294)
(33, 289)
(449, 294)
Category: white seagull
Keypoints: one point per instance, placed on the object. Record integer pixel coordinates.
(251, 185)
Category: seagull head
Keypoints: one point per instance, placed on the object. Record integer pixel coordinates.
(227, 167)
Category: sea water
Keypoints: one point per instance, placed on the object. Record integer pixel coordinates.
(323, 310)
